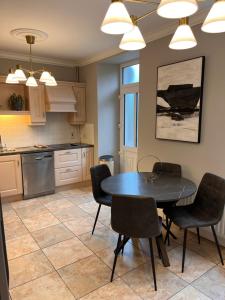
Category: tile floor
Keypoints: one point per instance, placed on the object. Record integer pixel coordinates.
(52, 255)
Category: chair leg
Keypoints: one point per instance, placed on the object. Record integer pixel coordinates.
(198, 234)
(115, 258)
(217, 245)
(153, 263)
(158, 248)
(168, 233)
(96, 218)
(184, 249)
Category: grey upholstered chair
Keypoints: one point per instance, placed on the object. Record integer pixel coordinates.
(169, 169)
(207, 210)
(134, 217)
(98, 174)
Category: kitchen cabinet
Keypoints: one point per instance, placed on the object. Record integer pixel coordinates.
(11, 175)
(68, 167)
(87, 162)
(36, 96)
(79, 117)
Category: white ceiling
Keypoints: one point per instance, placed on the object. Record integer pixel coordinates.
(73, 28)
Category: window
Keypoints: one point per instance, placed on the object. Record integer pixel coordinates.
(130, 74)
(130, 119)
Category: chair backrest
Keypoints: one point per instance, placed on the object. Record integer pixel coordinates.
(98, 174)
(210, 197)
(135, 217)
(167, 169)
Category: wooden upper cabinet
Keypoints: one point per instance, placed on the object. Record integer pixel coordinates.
(11, 175)
(36, 97)
(79, 117)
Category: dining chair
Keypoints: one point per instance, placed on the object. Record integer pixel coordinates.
(136, 217)
(98, 174)
(169, 169)
(207, 210)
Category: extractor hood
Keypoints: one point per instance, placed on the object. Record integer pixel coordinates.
(60, 98)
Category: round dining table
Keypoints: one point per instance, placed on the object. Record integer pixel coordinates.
(165, 189)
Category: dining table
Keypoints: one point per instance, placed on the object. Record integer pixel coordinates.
(167, 190)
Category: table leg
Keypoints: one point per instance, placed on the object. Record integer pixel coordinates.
(164, 256)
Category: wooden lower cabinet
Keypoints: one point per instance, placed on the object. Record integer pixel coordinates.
(10, 175)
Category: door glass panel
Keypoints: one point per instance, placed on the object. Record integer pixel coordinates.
(130, 74)
(130, 135)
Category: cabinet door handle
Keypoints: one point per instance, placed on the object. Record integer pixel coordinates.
(68, 152)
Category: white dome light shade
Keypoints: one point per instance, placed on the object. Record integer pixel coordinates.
(45, 76)
(117, 19)
(19, 74)
(51, 81)
(133, 40)
(31, 81)
(215, 21)
(11, 78)
(183, 38)
(176, 9)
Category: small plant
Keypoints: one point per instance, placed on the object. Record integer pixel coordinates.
(16, 102)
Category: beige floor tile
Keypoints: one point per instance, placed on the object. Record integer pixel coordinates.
(50, 198)
(195, 265)
(212, 283)
(52, 235)
(69, 213)
(66, 252)
(21, 246)
(41, 221)
(49, 287)
(15, 229)
(132, 258)
(9, 216)
(30, 211)
(28, 267)
(113, 291)
(141, 281)
(101, 239)
(73, 192)
(6, 207)
(78, 199)
(82, 225)
(190, 293)
(25, 203)
(58, 204)
(90, 207)
(85, 275)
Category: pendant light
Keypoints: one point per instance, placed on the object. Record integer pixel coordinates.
(183, 37)
(117, 19)
(176, 9)
(215, 21)
(45, 76)
(133, 40)
(11, 77)
(51, 81)
(31, 81)
(19, 74)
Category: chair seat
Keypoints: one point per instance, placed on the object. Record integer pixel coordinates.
(190, 216)
(105, 200)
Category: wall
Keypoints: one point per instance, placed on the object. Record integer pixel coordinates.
(15, 130)
(196, 159)
(108, 110)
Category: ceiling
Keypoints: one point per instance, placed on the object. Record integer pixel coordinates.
(73, 28)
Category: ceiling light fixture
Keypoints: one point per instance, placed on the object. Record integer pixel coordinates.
(215, 21)
(133, 40)
(19, 74)
(117, 21)
(183, 37)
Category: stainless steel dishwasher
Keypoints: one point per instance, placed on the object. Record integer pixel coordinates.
(38, 174)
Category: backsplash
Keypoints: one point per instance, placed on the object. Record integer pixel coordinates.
(16, 131)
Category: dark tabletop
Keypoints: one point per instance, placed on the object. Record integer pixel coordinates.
(164, 189)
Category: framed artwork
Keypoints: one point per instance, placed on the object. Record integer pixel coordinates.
(179, 100)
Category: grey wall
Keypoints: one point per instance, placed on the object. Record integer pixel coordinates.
(196, 159)
(60, 73)
(108, 110)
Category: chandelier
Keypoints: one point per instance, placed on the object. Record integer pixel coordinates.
(19, 75)
(118, 21)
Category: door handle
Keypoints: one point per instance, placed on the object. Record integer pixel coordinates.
(38, 158)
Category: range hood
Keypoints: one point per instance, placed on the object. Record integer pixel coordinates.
(60, 98)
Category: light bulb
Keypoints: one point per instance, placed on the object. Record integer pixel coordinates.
(51, 81)
(45, 76)
(31, 81)
(19, 74)
(11, 78)
(133, 40)
(176, 9)
(215, 21)
(117, 19)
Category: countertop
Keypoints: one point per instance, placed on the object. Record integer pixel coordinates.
(48, 148)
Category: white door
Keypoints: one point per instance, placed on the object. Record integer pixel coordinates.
(129, 97)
